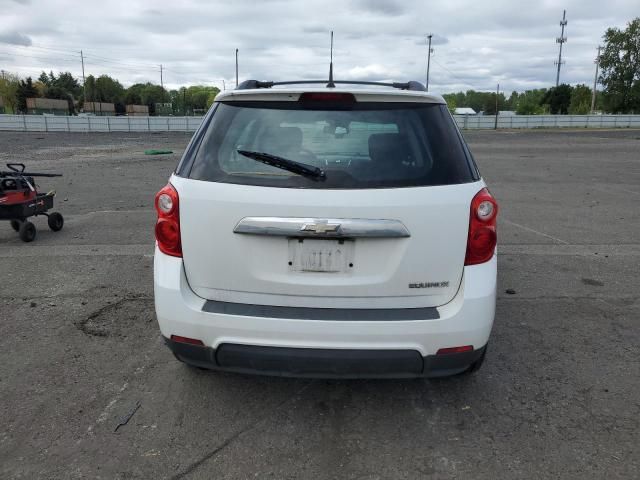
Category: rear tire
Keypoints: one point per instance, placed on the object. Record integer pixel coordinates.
(55, 221)
(27, 231)
(15, 224)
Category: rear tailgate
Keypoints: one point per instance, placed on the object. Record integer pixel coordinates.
(419, 270)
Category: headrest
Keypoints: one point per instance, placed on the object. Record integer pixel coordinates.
(277, 139)
(388, 148)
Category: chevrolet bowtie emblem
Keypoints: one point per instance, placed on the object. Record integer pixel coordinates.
(320, 227)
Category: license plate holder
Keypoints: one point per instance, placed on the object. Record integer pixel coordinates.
(320, 255)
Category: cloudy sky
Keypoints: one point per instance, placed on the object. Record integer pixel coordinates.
(476, 43)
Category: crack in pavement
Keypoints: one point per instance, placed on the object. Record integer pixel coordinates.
(193, 466)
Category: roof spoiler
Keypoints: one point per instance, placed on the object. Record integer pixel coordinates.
(254, 84)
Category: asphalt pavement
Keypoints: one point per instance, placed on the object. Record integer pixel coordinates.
(558, 396)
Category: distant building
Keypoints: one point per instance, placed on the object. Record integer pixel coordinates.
(137, 110)
(164, 109)
(464, 111)
(53, 106)
(507, 113)
(100, 108)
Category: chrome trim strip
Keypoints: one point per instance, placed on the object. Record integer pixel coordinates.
(326, 314)
(322, 227)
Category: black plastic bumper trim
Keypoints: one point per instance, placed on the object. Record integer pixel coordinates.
(330, 314)
(323, 363)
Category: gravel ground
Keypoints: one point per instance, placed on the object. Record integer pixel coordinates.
(558, 397)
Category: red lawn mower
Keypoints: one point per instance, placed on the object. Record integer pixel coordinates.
(20, 199)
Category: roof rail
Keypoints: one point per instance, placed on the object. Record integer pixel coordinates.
(252, 84)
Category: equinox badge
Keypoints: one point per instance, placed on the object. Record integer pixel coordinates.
(429, 285)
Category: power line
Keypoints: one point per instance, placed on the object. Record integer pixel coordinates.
(451, 73)
(87, 54)
(69, 53)
(37, 57)
(118, 62)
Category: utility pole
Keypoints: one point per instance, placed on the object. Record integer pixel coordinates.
(429, 52)
(236, 67)
(331, 83)
(595, 82)
(84, 88)
(161, 82)
(495, 126)
(561, 39)
(224, 87)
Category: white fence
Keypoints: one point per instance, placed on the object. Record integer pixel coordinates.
(548, 121)
(45, 123)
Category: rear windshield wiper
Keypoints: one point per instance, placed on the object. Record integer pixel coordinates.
(308, 171)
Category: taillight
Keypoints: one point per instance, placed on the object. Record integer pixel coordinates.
(168, 223)
(482, 238)
(448, 350)
(187, 340)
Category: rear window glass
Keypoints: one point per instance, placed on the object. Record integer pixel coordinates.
(368, 145)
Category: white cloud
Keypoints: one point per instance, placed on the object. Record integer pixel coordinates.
(476, 44)
(15, 38)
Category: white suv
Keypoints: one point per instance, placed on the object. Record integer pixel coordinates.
(327, 232)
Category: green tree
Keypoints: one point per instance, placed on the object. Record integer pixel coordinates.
(9, 85)
(105, 89)
(489, 106)
(61, 94)
(620, 68)
(450, 98)
(512, 101)
(44, 78)
(67, 82)
(558, 98)
(529, 102)
(26, 89)
(146, 94)
(109, 90)
(580, 100)
(475, 100)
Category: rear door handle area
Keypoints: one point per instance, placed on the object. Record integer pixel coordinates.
(322, 227)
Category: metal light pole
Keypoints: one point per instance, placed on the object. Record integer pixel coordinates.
(561, 39)
(236, 67)
(429, 60)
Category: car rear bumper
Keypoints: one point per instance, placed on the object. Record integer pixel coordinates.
(323, 363)
(246, 339)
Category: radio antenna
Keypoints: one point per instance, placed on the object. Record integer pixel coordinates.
(331, 84)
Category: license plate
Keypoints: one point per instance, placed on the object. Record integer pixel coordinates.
(311, 255)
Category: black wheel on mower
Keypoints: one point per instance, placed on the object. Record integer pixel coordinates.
(15, 224)
(27, 231)
(55, 221)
